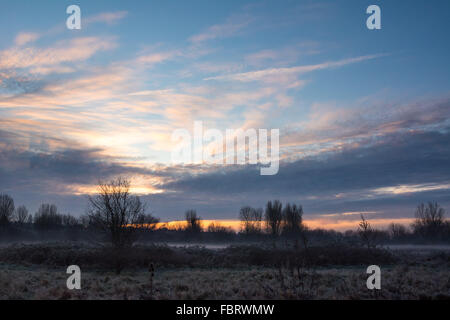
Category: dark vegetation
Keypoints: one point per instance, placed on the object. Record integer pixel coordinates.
(121, 220)
(117, 221)
(91, 257)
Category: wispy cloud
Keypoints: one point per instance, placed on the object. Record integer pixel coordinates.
(106, 17)
(77, 49)
(231, 27)
(347, 214)
(286, 55)
(332, 127)
(277, 72)
(76, 107)
(110, 18)
(412, 188)
(26, 37)
(156, 57)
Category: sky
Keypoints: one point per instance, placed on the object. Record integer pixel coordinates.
(363, 114)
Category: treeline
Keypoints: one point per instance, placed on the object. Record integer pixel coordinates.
(46, 217)
(273, 222)
(286, 223)
(276, 222)
(17, 223)
(429, 226)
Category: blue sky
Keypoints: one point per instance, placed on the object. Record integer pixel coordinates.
(353, 105)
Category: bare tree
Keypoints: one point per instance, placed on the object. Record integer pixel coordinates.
(219, 232)
(292, 219)
(193, 222)
(274, 217)
(293, 224)
(22, 216)
(70, 221)
(47, 217)
(250, 220)
(367, 234)
(117, 213)
(85, 221)
(246, 219)
(147, 222)
(397, 231)
(430, 220)
(6, 209)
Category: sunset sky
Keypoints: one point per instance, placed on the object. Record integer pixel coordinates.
(364, 115)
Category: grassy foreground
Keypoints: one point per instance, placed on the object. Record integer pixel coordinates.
(405, 275)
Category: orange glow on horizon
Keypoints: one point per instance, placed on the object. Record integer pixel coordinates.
(338, 225)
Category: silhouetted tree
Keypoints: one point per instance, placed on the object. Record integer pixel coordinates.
(70, 221)
(6, 209)
(22, 216)
(430, 220)
(193, 222)
(219, 232)
(397, 231)
(47, 217)
(250, 220)
(147, 222)
(293, 223)
(116, 213)
(215, 227)
(85, 221)
(274, 217)
(292, 219)
(367, 234)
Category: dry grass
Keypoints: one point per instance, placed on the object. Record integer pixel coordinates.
(422, 282)
(38, 271)
(86, 256)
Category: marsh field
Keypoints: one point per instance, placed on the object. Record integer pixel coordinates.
(242, 272)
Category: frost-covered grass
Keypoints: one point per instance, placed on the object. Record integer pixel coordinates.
(39, 272)
(398, 282)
